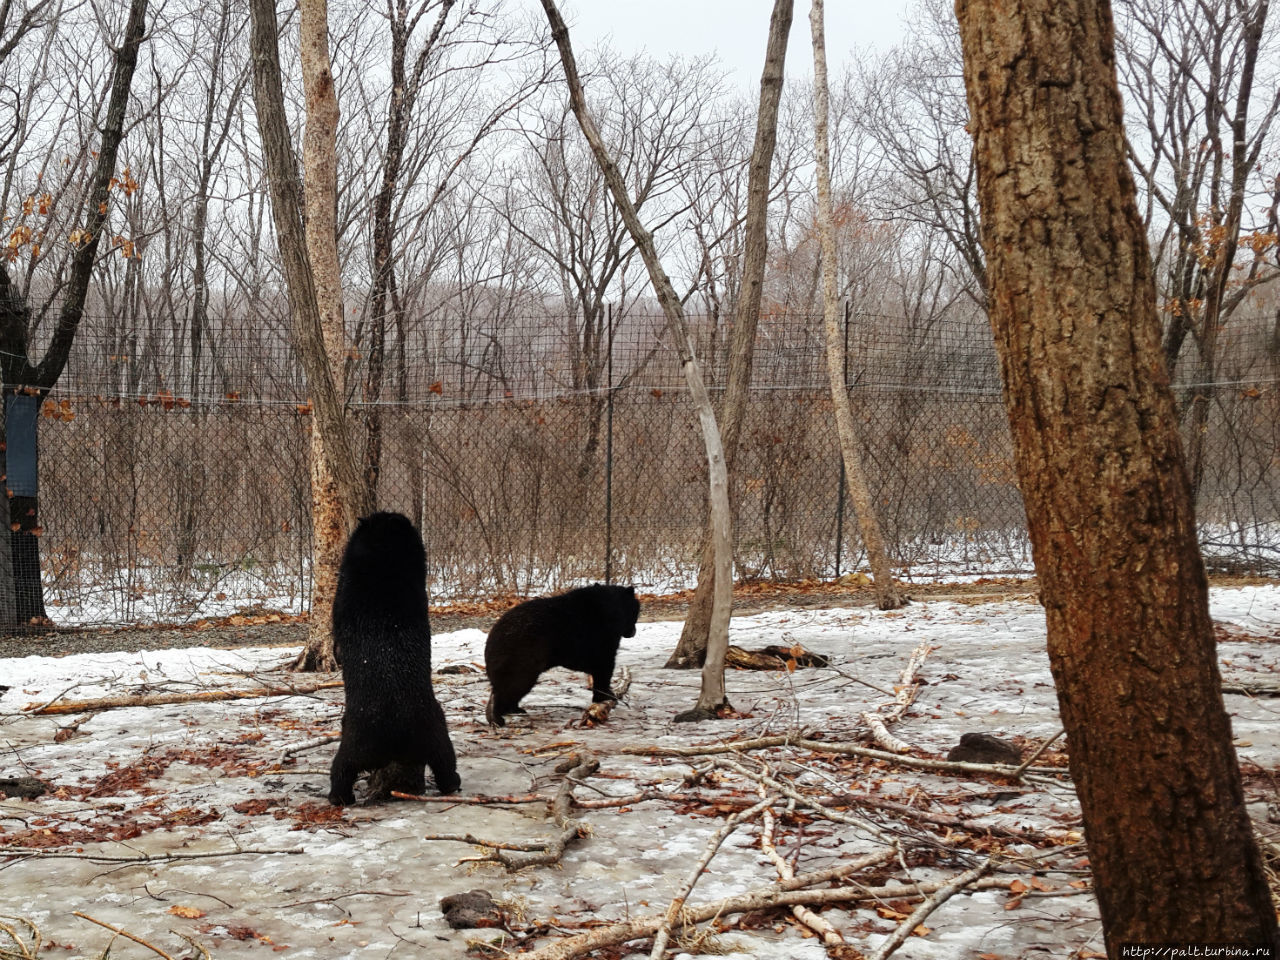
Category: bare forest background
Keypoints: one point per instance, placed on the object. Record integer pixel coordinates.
(509, 380)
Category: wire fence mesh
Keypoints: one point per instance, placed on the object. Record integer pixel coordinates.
(174, 481)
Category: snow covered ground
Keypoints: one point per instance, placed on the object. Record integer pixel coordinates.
(220, 834)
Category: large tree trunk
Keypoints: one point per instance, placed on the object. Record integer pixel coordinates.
(712, 694)
(888, 597)
(339, 494)
(320, 196)
(1107, 497)
(692, 648)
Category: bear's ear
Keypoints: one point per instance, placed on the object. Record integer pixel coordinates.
(631, 590)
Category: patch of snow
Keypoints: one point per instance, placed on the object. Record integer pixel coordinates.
(368, 884)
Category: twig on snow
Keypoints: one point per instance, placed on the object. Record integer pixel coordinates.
(1022, 767)
(784, 788)
(939, 819)
(823, 746)
(663, 934)
(22, 951)
(120, 931)
(479, 800)
(35, 853)
(931, 903)
(759, 899)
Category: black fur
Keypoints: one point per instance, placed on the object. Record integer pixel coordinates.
(393, 727)
(579, 630)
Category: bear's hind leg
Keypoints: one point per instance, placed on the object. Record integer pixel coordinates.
(505, 698)
(342, 777)
(440, 755)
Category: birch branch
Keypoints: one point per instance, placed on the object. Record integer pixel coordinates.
(831, 937)
(162, 699)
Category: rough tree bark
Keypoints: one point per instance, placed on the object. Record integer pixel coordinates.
(692, 648)
(1102, 474)
(339, 494)
(711, 697)
(888, 597)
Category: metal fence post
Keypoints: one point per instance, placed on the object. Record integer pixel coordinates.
(840, 486)
(608, 458)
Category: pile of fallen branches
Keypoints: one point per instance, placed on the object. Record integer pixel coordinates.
(904, 838)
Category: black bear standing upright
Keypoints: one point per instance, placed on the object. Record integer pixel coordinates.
(393, 727)
(579, 630)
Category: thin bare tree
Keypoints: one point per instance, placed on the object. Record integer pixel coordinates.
(26, 382)
(888, 596)
(1198, 137)
(692, 647)
(711, 697)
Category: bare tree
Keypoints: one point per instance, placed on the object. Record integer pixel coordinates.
(694, 636)
(315, 294)
(555, 199)
(1131, 644)
(912, 105)
(888, 597)
(711, 697)
(26, 382)
(1196, 142)
(435, 124)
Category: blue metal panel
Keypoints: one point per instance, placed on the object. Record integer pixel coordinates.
(21, 413)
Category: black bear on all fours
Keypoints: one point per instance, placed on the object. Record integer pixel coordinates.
(393, 727)
(578, 630)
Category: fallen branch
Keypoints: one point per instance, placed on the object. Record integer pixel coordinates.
(120, 931)
(523, 846)
(477, 800)
(162, 699)
(761, 899)
(831, 937)
(881, 735)
(22, 951)
(537, 853)
(36, 853)
(315, 744)
(846, 749)
(943, 894)
(784, 788)
(1257, 688)
(663, 934)
(938, 819)
(606, 803)
(908, 687)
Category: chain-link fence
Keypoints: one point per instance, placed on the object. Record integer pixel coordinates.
(174, 484)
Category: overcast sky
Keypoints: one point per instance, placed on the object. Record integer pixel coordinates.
(736, 30)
